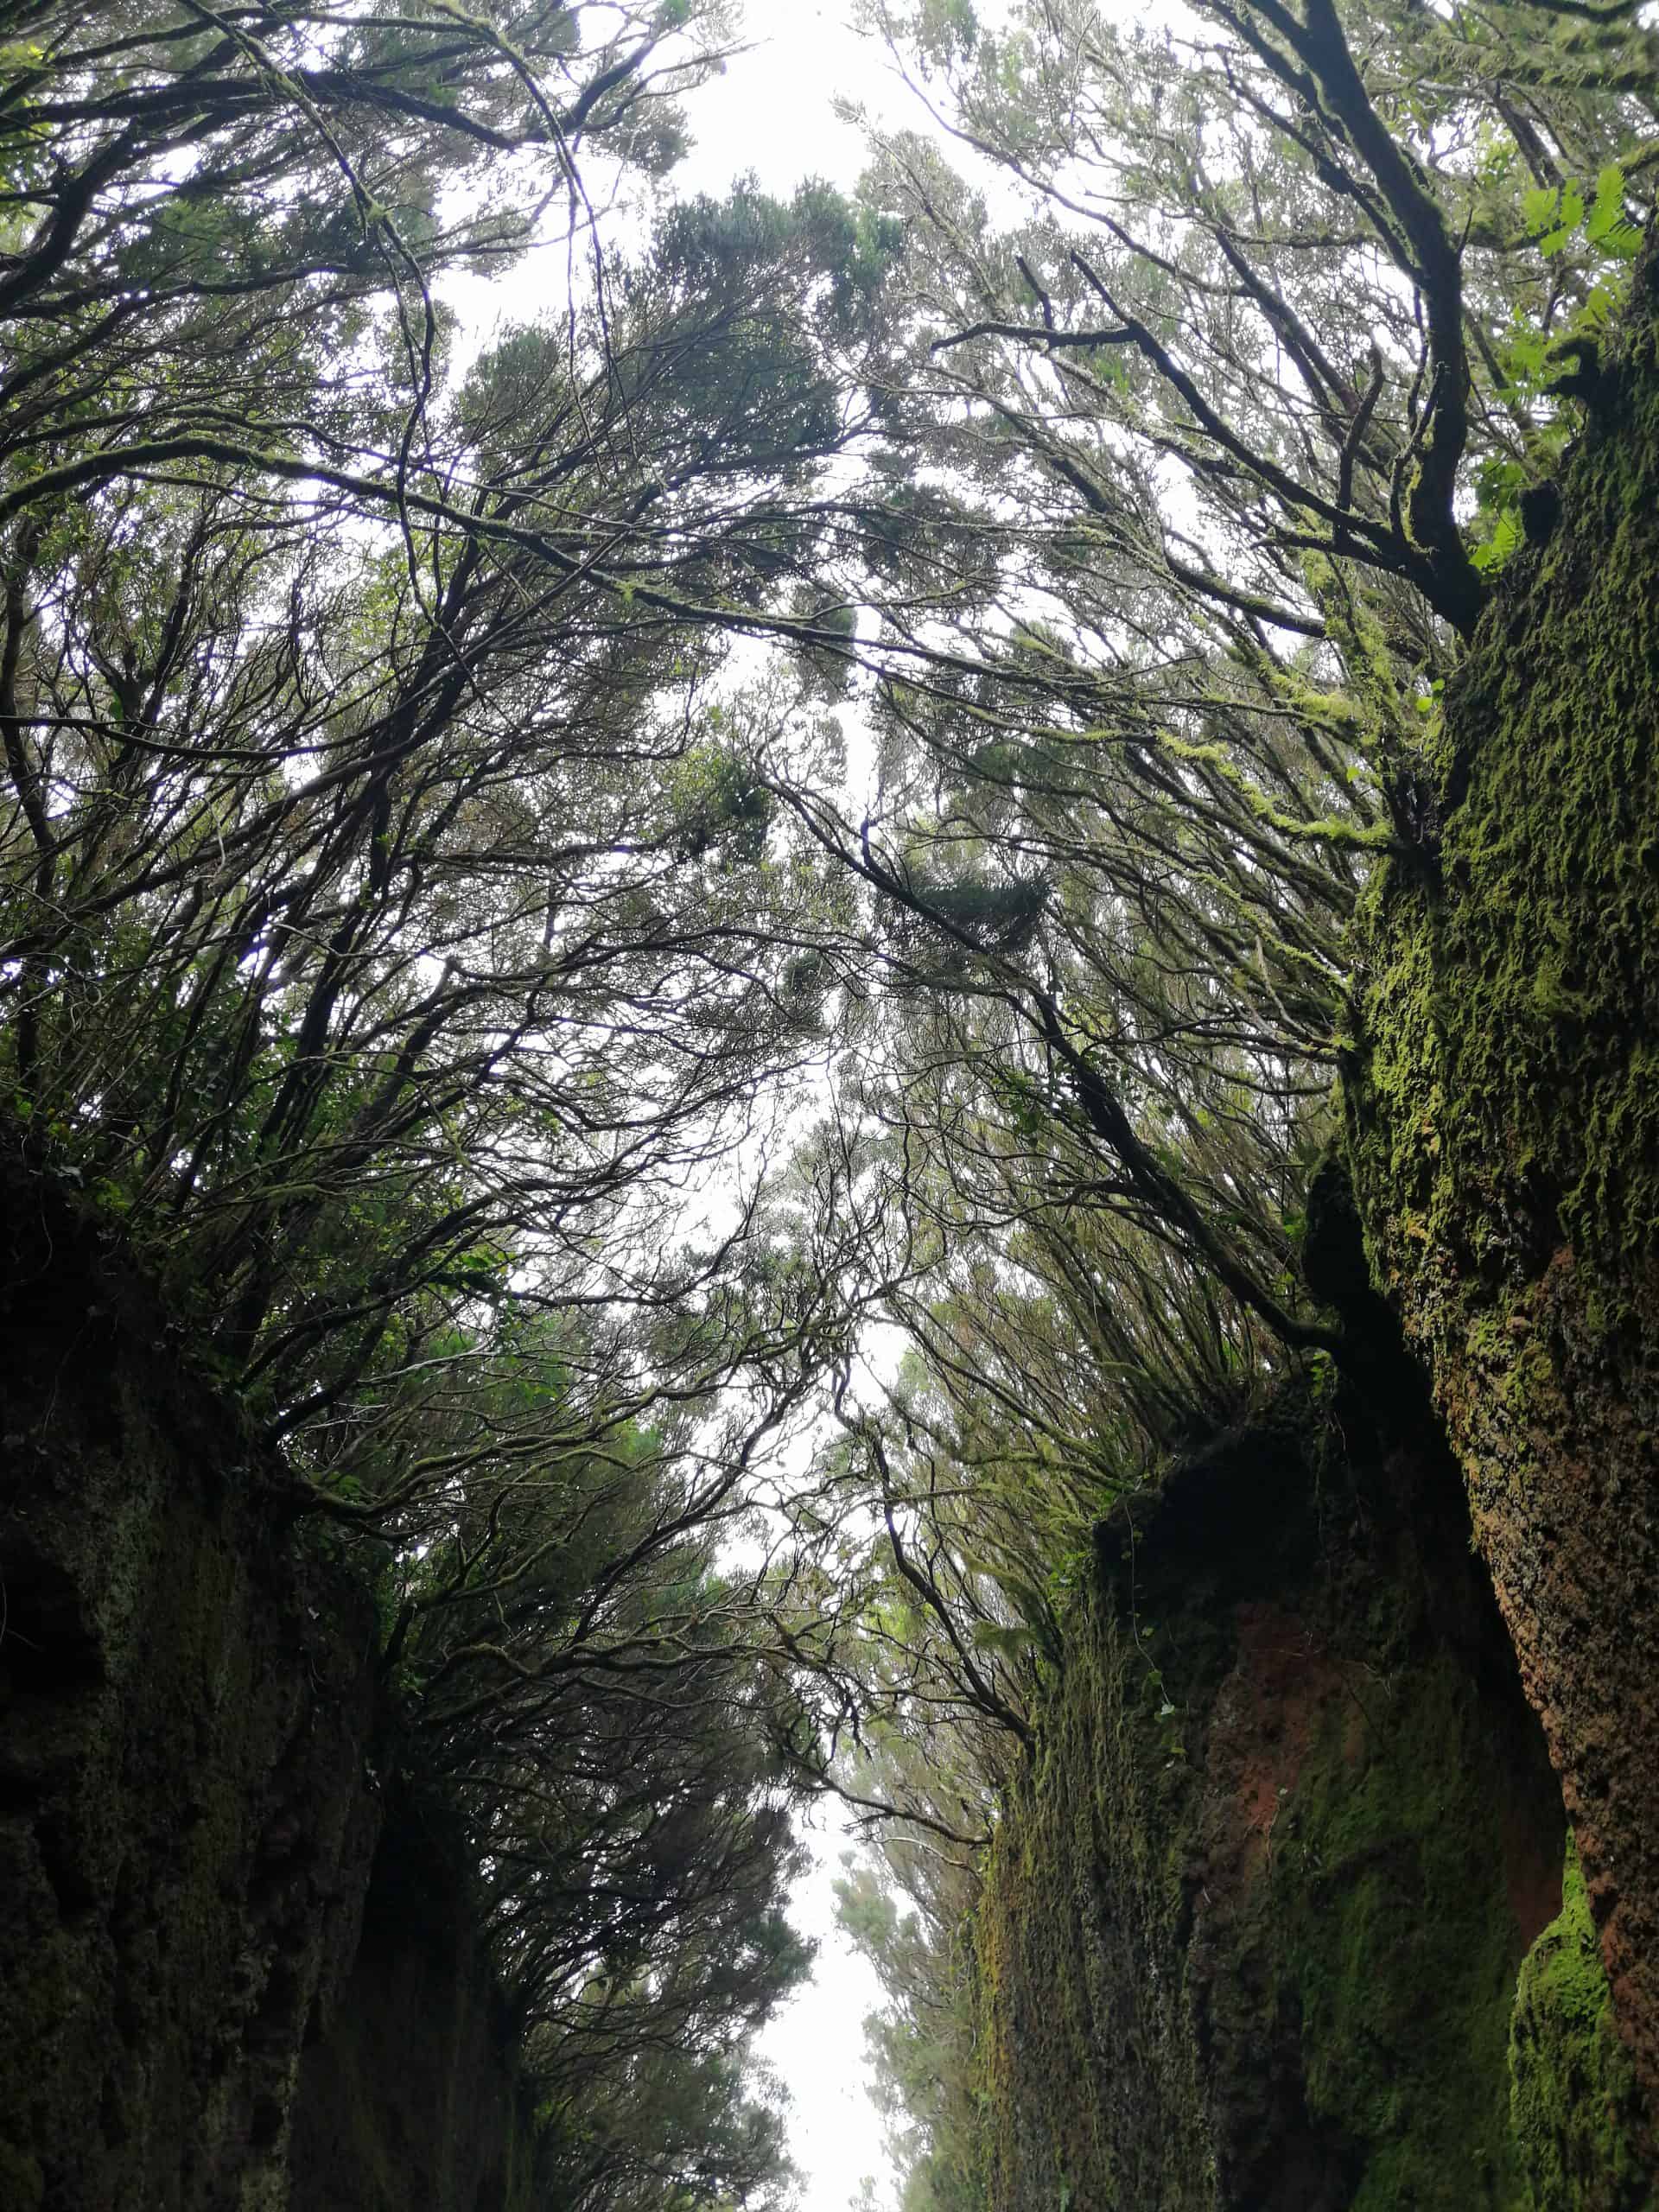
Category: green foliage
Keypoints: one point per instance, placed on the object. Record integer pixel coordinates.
(385, 949)
(920, 2044)
(574, 1675)
(848, 249)
(1542, 363)
(720, 812)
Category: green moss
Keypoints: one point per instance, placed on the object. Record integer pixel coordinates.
(1088, 2070)
(1399, 1944)
(1505, 1082)
(1247, 1935)
(1502, 1117)
(1573, 2092)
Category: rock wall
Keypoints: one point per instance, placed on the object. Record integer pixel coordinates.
(1503, 1103)
(1278, 1920)
(1253, 1929)
(408, 2096)
(188, 1817)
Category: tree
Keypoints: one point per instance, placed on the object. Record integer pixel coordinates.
(1223, 439)
(1196, 491)
(921, 2044)
(1182, 574)
(384, 920)
(395, 934)
(207, 206)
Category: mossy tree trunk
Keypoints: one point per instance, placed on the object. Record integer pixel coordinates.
(1503, 1124)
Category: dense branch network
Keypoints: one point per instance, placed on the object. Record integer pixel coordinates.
(551, 1054)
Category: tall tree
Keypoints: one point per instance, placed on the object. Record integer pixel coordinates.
(1209, 439)
(397, 943)
(1235, 365)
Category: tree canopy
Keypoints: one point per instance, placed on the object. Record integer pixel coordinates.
(806, 798)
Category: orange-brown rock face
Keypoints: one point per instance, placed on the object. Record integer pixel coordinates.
(1252, 1928)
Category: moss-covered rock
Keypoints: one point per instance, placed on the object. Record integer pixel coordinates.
(188, 1817)
(185, 1834)
(1575, 2105)
(1503, 1125)
(1251, 1929)
(412, 2092)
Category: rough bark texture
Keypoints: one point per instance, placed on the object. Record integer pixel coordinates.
(187, 1818)
(1504, 1116)
(1251, 1932)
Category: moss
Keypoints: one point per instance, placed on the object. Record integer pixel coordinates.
(1088, 2072)
(1250, 1934)
(186, 1821)
(1401, 1945)
(1502, 1118)
(1522, 978)
(180, 1766)
(1573, 2093)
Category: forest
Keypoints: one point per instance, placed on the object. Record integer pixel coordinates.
(728, 952)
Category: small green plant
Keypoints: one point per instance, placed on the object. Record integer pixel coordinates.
(1541, 366)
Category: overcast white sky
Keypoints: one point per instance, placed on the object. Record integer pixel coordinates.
(771, 113)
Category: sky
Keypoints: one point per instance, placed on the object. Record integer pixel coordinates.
(817, 2046)
(771, 114)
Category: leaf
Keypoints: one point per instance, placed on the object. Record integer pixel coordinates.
(1523, 355)
(1505, 538)
(1605, 298)
(1607, 211)
(1556, 214)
